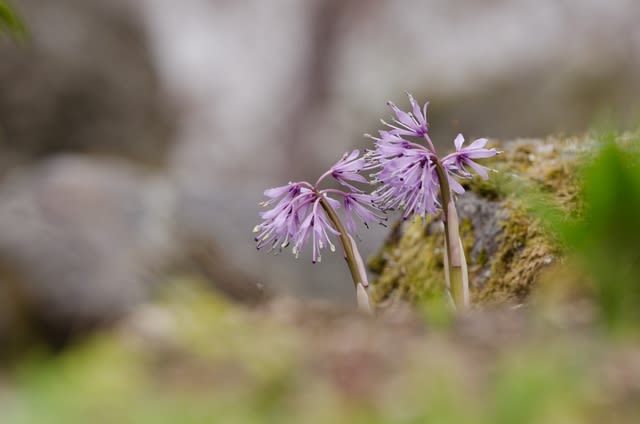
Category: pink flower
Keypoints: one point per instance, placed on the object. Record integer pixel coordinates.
(298, 215)
(406, 170)
(457, 162)
(409, 123)
(347, 170)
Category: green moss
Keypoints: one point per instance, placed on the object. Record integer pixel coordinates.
(414, 267)
(524, 249)
(377, 262)
(483, 258)
(529, 172)
(466, 234)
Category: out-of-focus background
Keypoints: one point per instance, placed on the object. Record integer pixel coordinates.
(275, 91)
(136, 137)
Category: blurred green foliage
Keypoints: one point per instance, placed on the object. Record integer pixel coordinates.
(207, 361)
(607, 238)
(10, 22)
(601, 231)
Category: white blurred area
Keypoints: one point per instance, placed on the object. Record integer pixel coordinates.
(269, 91)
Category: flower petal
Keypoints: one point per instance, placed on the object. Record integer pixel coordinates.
(478, 143)
(458, 141)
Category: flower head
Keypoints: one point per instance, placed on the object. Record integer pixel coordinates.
(282, 222)
(363, 206)
(316, 225)
(407, 179)
(347, 170)
(457, 162)
(301, 210)
(412, 123)
(407, 170)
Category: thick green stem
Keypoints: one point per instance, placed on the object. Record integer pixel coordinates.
(351, 256)
(456, 270)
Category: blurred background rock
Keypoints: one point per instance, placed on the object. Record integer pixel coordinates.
(89, 222)
(84, 82)
(137, 137)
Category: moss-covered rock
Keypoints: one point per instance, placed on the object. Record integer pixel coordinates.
(506, 246)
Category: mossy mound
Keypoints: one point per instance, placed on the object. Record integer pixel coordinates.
(507, 247)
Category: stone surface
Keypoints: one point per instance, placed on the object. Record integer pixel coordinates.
(90, 217)
(83, 82)
(84, 240)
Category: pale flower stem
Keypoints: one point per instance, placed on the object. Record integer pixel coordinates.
(364, 304)
(353, 258)
(455, 270)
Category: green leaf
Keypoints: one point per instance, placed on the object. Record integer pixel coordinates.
(10, 22)
(605, 237)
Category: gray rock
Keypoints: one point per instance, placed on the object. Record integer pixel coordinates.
(83, 240)
(83, 82)
(485, 216)
(86, 230)
(79, 240)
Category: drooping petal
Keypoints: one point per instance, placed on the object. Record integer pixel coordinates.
(455, 186)
(363, 206)
(277, 191)
(347, 170)
(348, 215)
(315, 227)
(282, 221)
(302, 234)
(332, 202)
(481, 170)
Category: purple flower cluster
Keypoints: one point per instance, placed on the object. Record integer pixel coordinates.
(407, 172)
(300, 212)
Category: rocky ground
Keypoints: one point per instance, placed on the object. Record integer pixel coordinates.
(193, 357)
